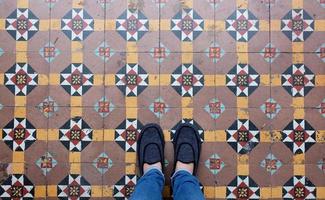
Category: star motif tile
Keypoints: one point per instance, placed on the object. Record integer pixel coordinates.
(321, 108)
(187, 80)
(132, 25)
(298, 80)
(271, 164)
(127, 133)
(131, 79)
(215, 108)
(104, 107)
(187, 24)
(242, 25)
(321, 164)
(76, 79)
(22, 24)
(160, 53)
(19, 134)
(105, 4)
(190, 121)
(104, 51)
(75, 134)
(46, 163)
(17, 186)
(48, 107)
(21, 79)
(242, 80)
(124, 187)
(243, 187)
(49, 52)
(270, 53)
(214, 164)
(160, 3)
(297, 25)
(214, 52)
(299, 136)
(77, 24)
(159, 107)
(270, 108)
(299, 187)
(243, 136)
(102, 163)
(74, 186)
(320, 52)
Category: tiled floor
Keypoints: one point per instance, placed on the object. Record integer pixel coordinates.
(79, 78)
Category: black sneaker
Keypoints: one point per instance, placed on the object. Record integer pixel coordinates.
(150, 146)
(187, 145)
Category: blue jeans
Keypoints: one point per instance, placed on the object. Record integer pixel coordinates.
(151, 184)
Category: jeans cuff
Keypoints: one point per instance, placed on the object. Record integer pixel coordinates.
(151, 168)
(180, 170)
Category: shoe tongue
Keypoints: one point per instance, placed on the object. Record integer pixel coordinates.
(152, 154)
(186, 154)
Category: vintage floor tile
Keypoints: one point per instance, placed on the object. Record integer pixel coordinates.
(32, 154)
(170, 119)
(259, 173)
(315, 174)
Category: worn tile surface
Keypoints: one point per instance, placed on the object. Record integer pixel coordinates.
(79, 79)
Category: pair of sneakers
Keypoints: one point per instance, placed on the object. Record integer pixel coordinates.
(151, 144)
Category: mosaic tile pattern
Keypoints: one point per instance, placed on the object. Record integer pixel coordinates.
(79, 79)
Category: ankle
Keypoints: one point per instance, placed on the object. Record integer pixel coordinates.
(147, 166)
(189, 167)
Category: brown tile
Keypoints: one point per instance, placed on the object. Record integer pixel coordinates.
(7, 98)
(39, 40)
(282, 175)
(170, 96)
(171, 62)
(314, 43)
(315, 175)
(147, 116)
(115, 96)
(7, 8)
(282, 152)
(91, 151)
(114, 174)
(229, 157)
(8, 57)
(169, 40)
(114, 119)
(114, 152)
(281, 96)
(226, 119)
(36, 118)
(32, 154)
(260, 175)
(171, 118)
(204, 119)
(58, 173)
(115, 62)
(91, 174)
(148, 96)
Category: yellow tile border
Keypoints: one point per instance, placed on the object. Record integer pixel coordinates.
(319, 25)
(40, 191)
(265, 192)
(242, 164)
(51, 190)
(20, 112)
(320, 192)
(22, 3)
(130, 157)
(297, 4)
(220, 192)
(18, 168)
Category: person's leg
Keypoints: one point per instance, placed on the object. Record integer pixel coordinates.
(150, 186)
(150, 154)
(186, 186)
(187, 148)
